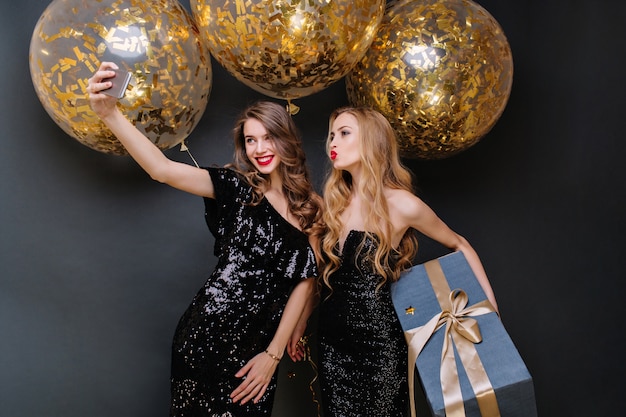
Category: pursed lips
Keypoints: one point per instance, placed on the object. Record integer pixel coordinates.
(333, 155)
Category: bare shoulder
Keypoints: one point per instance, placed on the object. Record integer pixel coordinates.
(404, 204)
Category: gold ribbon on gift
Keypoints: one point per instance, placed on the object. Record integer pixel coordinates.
(462, 331)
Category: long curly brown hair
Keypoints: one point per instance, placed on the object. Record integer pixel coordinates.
(303, 202)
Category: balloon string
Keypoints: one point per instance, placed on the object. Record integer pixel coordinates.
(184, 148)
(304, 340)
(292, 109)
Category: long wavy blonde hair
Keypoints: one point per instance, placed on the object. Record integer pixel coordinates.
(303, 202)
(381, 169)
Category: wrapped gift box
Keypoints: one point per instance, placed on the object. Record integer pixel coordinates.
(499, 384)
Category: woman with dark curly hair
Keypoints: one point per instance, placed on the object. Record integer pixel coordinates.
(265, 217)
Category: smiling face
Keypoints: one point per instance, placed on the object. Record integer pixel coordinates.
(260, 147)
(344, 142)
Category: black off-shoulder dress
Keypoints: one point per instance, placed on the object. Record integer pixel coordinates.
(362, 349)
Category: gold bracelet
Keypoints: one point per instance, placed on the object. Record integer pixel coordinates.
(276, 358)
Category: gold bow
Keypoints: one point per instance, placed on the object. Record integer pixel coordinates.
(463, 331)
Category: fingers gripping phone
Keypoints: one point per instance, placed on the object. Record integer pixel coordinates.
(120, 83)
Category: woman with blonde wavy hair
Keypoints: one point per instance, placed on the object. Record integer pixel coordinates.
(371, 215)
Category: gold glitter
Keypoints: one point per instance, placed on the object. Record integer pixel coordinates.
(158, 43)
(441, 71)
(288, 49)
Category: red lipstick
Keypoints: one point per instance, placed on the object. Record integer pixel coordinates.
(265, 160)
(333, 155)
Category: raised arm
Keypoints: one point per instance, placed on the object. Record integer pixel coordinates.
(413, 212)
(160, 168)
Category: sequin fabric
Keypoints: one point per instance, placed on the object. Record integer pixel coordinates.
(363, 353)
(233, 317)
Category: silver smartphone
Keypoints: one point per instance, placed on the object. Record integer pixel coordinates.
(120, 83)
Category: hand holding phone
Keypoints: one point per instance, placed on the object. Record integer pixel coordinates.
(120, 83)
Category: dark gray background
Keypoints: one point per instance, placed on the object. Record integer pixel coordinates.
(97, 262)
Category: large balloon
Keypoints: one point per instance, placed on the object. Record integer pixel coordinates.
(288, 49)
(157, 41)
(441, 71)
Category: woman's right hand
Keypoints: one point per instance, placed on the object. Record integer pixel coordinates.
(295, 346)
(102, 104)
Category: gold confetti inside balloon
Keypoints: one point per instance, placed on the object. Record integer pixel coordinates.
(440, 70)
(157, 41)
(288, 49)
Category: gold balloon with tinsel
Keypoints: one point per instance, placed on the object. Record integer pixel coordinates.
(288, 49)
(157, 41)
(441, 71)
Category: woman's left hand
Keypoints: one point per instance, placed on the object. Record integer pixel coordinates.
(258, 373)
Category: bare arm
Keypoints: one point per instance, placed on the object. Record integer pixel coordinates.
(178, 175)
(295, 349)
(414, 213)
(259, 370)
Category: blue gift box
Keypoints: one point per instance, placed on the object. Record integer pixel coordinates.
(441, 301)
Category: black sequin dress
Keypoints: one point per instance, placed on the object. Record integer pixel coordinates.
(363, 353)
(261, 258)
